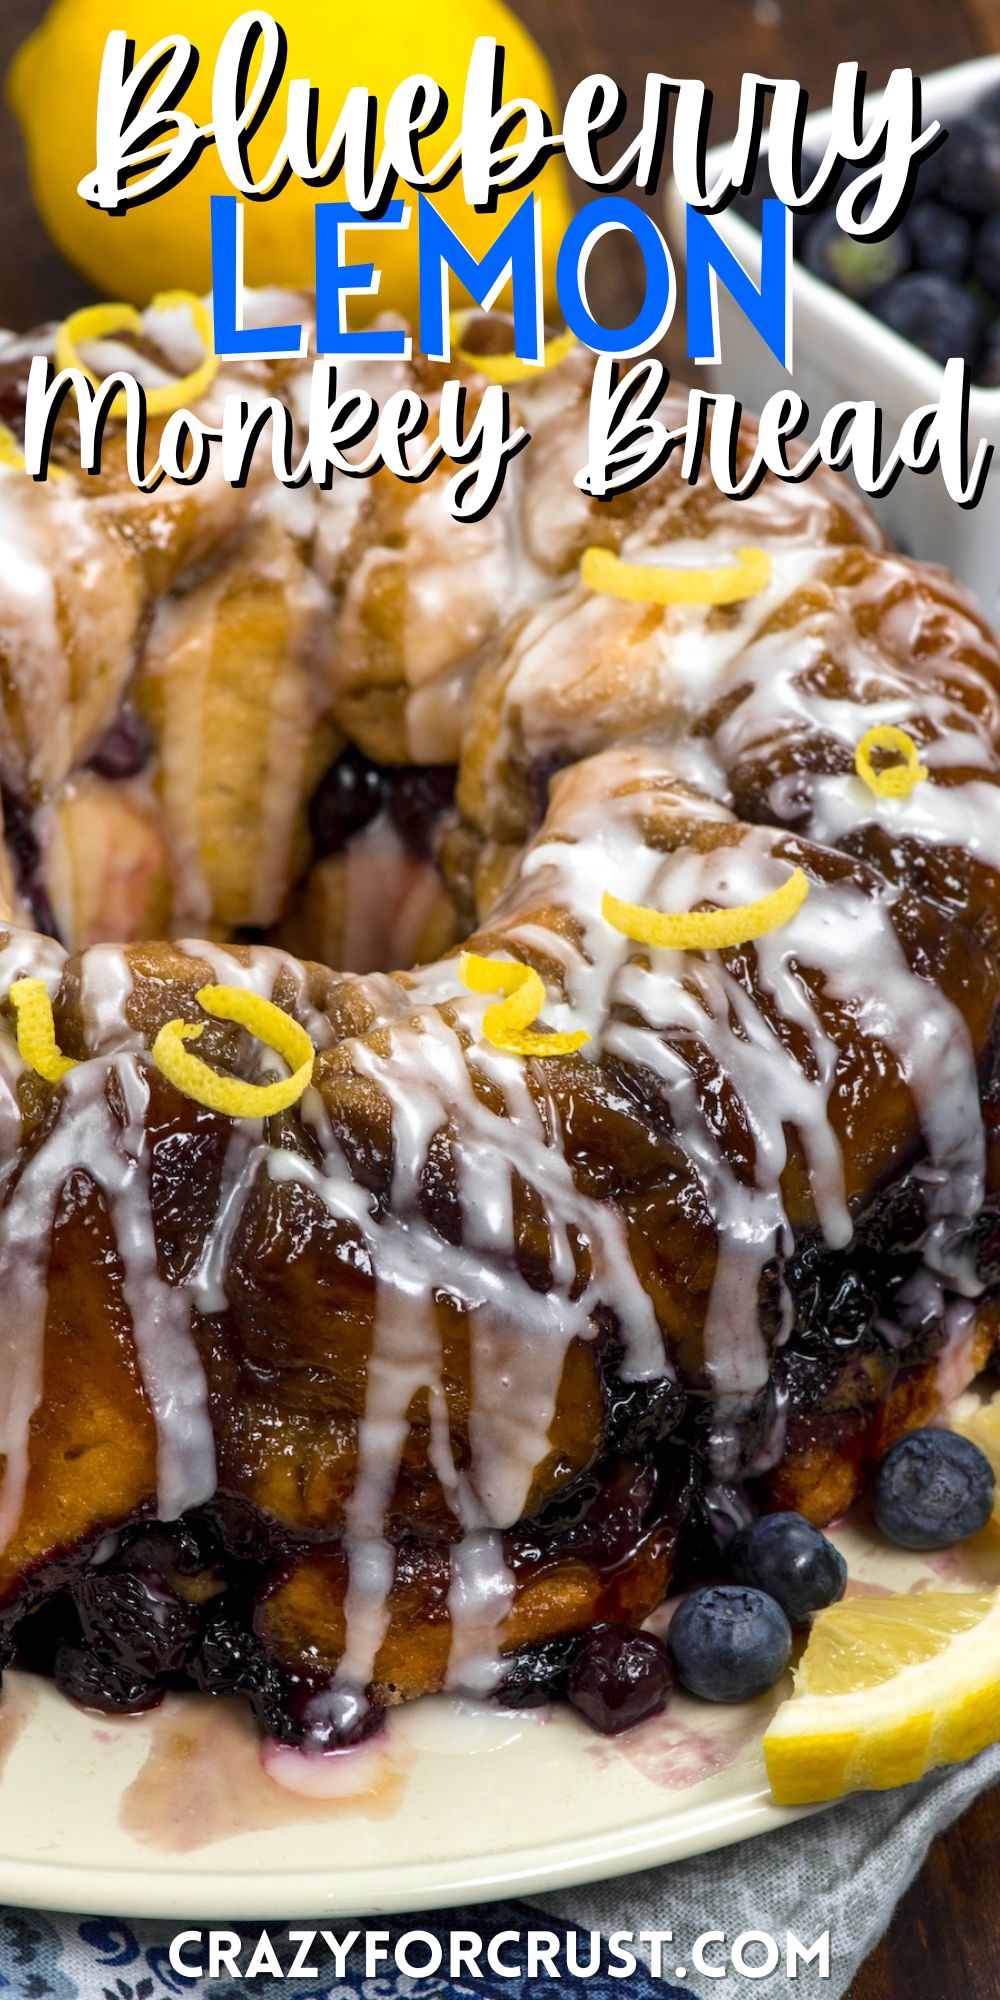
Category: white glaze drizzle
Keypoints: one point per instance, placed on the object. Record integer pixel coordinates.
(428, 1069)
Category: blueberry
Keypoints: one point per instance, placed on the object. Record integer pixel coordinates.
(858, 268)
(344, 802)
(134, 1621)
(986, 256)
(126, 746)
(229, 1659)
(933, 1488)
(729, 1643)
(539, 1672)
(930, 171)
(321, 1717)
(970, 165)
(620, 1677)
(988, 107)
(940, 238)
(934, 314)
(789, 1559)
(418, 796)
(102, 1684)
(988, 365)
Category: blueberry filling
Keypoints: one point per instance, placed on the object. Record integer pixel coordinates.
(346, 799)
(126, 746)
(25, 851)
(354, 791)
(181, 1605)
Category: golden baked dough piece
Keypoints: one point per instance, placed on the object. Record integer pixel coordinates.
(71, 605)
(232, 682)
(107, 863)
(373, 903)
(763, 704)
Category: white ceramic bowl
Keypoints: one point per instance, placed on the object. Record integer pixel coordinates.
(842, 352)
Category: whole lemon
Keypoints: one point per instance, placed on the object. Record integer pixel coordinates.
(165, 242)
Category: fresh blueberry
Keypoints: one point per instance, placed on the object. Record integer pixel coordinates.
(970, 165)
(940, 238)
(620, 1677)
(930, 172)
(857, 267)
(729, 1643)
(988, 107)
(344, 802)
(934, 314)
(933, 1488)
(788, 1558)
(986, 256)
(988, 365)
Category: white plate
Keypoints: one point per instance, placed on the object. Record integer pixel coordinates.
(173, 1815)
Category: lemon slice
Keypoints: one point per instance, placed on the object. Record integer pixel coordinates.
(887, 1688)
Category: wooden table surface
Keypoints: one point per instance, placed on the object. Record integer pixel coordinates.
(944, 1941)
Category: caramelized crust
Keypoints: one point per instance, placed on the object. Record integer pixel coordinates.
(464, 1353)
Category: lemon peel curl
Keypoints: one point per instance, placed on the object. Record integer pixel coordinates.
(36, 1030)
(507, 1025)
(896, 781)
(231, 1094)
(707, 930)
(659, 583)
(13, 460)
(506, 368)
(100, 321)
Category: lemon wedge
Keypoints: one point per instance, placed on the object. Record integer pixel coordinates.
(887, 1688)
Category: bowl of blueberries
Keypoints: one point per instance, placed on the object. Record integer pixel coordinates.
(878, 320)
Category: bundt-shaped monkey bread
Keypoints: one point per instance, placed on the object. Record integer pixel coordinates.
(395, 1328)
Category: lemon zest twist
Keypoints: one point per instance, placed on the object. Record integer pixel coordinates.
(13, 457)
(36, 1031)
(98, 322)
(231, 1094)
(505, 1026)
(707, 930)
(505, 368)
(898, 780)
(10, 451)
(658, 583)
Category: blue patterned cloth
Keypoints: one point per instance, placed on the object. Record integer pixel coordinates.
(101, 1958)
